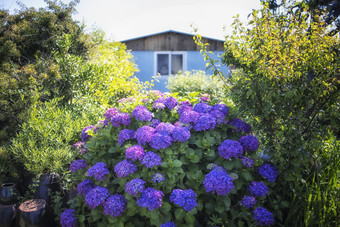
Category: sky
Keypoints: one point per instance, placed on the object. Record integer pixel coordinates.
(126, 19)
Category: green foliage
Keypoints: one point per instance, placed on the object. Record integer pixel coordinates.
(196, 81)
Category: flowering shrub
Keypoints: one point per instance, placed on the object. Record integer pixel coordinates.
(186, 163)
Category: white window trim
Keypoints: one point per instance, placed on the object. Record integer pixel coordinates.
(184, 54)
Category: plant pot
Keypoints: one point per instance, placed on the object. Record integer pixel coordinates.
(8, 215)
(32, 213)
(47, 181)
(8, 194)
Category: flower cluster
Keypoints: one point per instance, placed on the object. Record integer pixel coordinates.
(258, 189)
(180, 134)
(96, 196)
(268, 171)
(144, 134)
(114, 205)
(184, 198)
(247, 162)
(263, 217)
(151, 159)
(120, 119)
(141, 113)
(205, 121)
(240, 125)
(151, 199)
(248, 201)
(171, 102)
(230, 149)
(110, 113)
(126, 134)
(124, 168)
(98, 171)
(77, 165)
(68, 219)
(135, 152)
(218, 181)
(84, 187)
(157, 178)
(249, 143)
(134, 186)
(202, 107)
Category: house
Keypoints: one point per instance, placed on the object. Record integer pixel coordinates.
(169, 52)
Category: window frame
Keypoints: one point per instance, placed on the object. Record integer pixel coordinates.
(170, 53)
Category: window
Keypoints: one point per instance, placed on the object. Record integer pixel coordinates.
(167, 63)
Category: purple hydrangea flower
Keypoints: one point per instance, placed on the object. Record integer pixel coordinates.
(121, 119)
(263, 216)
(150, 198)
(221, 107)
(160, 140)
(157, 178)
(158, 105)
(257, 189)
(141, 113)
(68, 219)
(96, 196)
(189, 117)
(268, 171)
(124, 168)
(98, 171)
(168, 224)
(79, 144)
(205, 122)
(164, 128)
(84, 135)
(135, 152)
(110, 113)
(184, 108)
(144, 134)
(171, 102)
(218, 181)
(202, 107)
(114, 205)
(240, 125)
(230, 149)
(151, 159)
(184, 198)
(249, 143)
(205, 99)
(77, 165)
(84, 187)
(154, 122)
(126, 134)
(247, 162)
(248, 201)
(155, 94)
(134, 186)
(180, 134)
(219, 116)
(146, 100)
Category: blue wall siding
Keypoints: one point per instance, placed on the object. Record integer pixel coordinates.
(145, 61)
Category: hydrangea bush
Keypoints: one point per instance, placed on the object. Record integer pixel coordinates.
(163, 161)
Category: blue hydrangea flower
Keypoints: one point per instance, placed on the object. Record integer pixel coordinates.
(125, 134)
(144, 134)
(77, 165)
(202, 107)
(263, 216)
(141, 113)
(151, 159)
(205, 122)
(160, 140)
(184, 198)
(114, 205)
(183, 108)
(248, 201)
(84, 135)
(98, 171)
(221, 107)
(171, 102)
(189, 117)
(218, 181)
(258, 189)
(135, 152)
(164, 128)
(121, 119)
(110, 113)
(219, 117)
(84, 187)
(230, 149)
(168, 224)
(151, 199)
(134, 186)
(157, 178)
(247, 162)
(68, 219)
(240, 125)
(96, 196)
(125, 168)
(268, 171)
(154, 122)
(249, 143)
(180, 134)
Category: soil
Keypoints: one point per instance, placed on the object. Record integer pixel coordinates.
(32, 205)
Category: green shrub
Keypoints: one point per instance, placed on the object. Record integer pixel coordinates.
(184, 165)
(196, 81)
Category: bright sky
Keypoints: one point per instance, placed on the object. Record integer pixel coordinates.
(125, 19)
